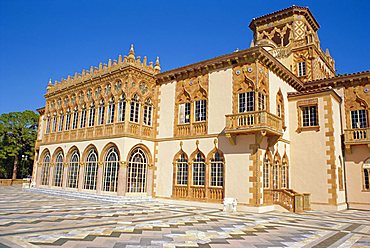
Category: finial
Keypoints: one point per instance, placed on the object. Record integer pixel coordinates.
(131, 56)
(119, 59)
(50, 83)
(252, 43)
(197, 143)
(327, 52)
(181, 143)
(144, 61)
(157, 66)
(215, 142)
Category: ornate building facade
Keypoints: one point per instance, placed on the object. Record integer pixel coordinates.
(269, 125)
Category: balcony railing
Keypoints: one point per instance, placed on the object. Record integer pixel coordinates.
(191, 129)
(357, 136)
(252, 122)
(108, 130)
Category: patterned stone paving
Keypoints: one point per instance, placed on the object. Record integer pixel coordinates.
(31, 219)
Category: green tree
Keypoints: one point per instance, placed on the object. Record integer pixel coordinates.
(18, 132)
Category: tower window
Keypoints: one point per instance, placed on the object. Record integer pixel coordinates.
(301, 69)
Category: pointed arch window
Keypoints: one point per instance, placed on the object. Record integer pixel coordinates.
(121, 108)
(101, 111)
(184, 113)
(92, 115)
(148, 109)
(261, 101)
(266, 172)
(200, 110)
(54, 124)
(68, 119)
(110, 175)
(91, 170)
(359, 119)
(135, 108)
(246, 102)
(111, 109)
(61, 120)
(284, 174)
(73, 170)
(182, 170)
(217, 170)
(58, 170)
(48, 124)
(45, 170)
(275, 174)
(83, 117)
(366, 172)
(137, 172)
(199, 170)
(75, 118)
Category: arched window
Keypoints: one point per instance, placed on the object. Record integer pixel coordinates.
(75, 118)
(275, 174)
(61, 120)
(284, 173)
(121, 108)
(45, 170)
(73, 170)
(58, 170)
(148, 109)
(54, 124)
(199, 169)
(366, 171)
(266, 172)
(111, 108)
(91, 170)
(182, 170)
(217, 170)
(137, 172)
(68, 119)
(246, 102)
(280, 109)
(135, 109)
(110, 177)
(48, 124)
(92, 115)
(83, 117)
(101, 111)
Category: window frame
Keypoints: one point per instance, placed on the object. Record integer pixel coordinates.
(248, 104)
(301, 68)
(186, 118)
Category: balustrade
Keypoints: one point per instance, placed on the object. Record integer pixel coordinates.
(252, 122)
(288, 199)
(358, 135)
(199, 193)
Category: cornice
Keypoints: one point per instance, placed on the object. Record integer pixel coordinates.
(344, 80)
(278, 15)
(314, 93)
(229, 60)
(41, 110)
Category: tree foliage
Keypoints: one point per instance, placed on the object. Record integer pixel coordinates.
(18, 132)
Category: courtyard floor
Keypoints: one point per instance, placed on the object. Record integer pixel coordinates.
(29, 219)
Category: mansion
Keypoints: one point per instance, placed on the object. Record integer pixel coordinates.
(272, 125)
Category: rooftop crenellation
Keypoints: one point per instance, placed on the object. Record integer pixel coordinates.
(103, 68)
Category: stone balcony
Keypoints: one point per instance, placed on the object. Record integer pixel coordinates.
(120, 129)
(257, 122)
(356, 136)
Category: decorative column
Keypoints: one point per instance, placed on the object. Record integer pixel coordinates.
(81, 176)
(65, 175)
(122, 177)
(37, 174)
(206, 181)
(190, 179)
(127, 114)
(149, 181)
(51, 174)
(99, 180)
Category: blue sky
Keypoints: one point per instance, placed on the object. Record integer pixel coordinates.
(52, 39)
